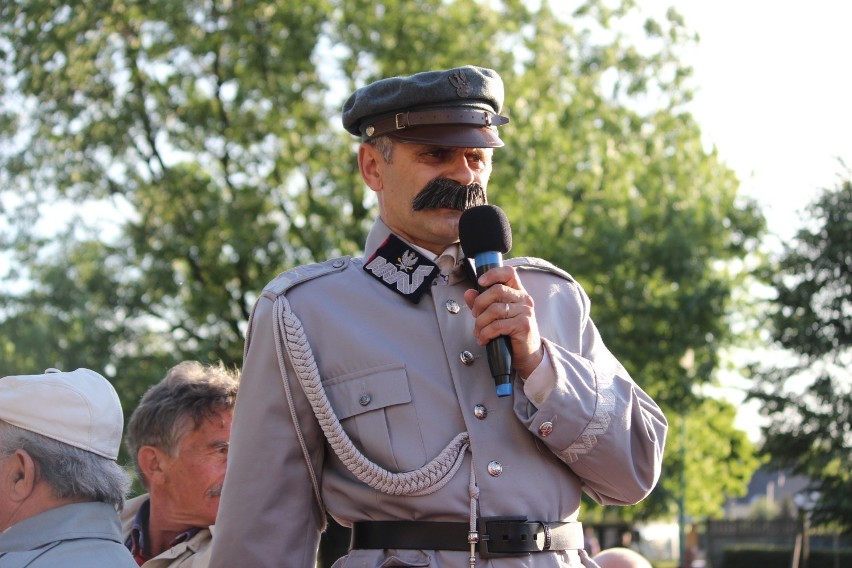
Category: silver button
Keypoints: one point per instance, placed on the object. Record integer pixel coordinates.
(337, 263)
(545, 429)
(495, 468)
(370, 130)
(480, 411)
(453, 306)
(364, 400)
(466, 357)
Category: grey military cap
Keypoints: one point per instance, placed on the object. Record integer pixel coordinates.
(457, 107)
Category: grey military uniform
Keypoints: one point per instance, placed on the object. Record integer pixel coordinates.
(404, 378)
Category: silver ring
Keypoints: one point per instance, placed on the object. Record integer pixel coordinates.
(507, 311)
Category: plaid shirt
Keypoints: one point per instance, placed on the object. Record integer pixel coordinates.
(136, 542)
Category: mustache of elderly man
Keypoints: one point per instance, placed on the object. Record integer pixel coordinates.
(443, 193)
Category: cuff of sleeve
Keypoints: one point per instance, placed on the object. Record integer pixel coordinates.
(541, 382)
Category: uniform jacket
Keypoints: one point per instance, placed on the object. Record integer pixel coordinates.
(193, 553)
(80, 535)
(400, 381)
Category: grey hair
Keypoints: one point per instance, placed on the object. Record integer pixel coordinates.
(384, 144)
(189, 394)
(70, 472)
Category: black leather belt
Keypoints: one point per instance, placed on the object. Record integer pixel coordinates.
(497, 536)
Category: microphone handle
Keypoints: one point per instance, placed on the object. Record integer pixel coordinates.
(499, 350)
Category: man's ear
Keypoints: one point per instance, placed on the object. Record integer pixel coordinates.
(370, 162)
(151, 462)
(22, 476)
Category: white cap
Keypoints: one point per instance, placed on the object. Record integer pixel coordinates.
(79, 408)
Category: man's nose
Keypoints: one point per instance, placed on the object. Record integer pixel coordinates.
(462, 171)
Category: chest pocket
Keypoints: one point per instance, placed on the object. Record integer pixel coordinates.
(376, 411)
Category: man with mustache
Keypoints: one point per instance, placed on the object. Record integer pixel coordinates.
(366, 390)
(179, 437)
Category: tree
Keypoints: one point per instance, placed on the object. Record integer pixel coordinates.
(808, 395)
(212, 128)
(184, 115)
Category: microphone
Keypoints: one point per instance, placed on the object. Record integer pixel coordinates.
(485, 235)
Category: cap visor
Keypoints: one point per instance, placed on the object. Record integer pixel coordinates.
(459, 136)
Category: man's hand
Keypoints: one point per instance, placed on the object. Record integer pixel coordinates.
(505, 308)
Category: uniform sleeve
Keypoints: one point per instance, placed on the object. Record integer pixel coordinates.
(268, 514)
(596, 419)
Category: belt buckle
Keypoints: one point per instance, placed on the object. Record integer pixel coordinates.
(485, 538)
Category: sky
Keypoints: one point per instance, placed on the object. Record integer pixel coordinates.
(774, 96)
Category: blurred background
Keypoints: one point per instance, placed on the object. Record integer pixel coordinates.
(687, 162)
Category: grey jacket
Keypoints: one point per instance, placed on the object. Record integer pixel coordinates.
(400, 381)
(81, 535)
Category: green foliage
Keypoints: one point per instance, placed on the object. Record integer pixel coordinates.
(769, 509)
(764, 509)
(212, 130)
(190, 117)
(809, 398)
(715, 449)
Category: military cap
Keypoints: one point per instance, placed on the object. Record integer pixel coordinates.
(457, 107)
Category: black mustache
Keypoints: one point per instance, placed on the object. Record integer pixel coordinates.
(443, 193)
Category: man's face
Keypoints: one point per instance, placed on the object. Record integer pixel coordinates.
(194, 475)
(415, 165)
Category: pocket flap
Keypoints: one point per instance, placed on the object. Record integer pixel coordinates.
(368, 390)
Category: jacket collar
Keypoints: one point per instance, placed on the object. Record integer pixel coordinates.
(404, 267)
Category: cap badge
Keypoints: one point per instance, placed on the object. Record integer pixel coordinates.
(410, 275)
(459, 81)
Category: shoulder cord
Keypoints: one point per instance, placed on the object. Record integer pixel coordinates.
(279, 342)
(431, 477)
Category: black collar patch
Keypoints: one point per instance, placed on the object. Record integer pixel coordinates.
(402, 269)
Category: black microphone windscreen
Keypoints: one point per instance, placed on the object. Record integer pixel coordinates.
(484, 228)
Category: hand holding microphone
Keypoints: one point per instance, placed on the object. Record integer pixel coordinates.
(485, 236)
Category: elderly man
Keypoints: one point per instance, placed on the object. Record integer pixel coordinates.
(178, 437)
(367, 386)
(59, 483)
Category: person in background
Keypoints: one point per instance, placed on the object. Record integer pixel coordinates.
(620, 557)
(366, 387)
(60, 486)
(590, 541)
(179, 437)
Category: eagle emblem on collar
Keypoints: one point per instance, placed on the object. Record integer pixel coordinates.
(410, 276)
(407, 261)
